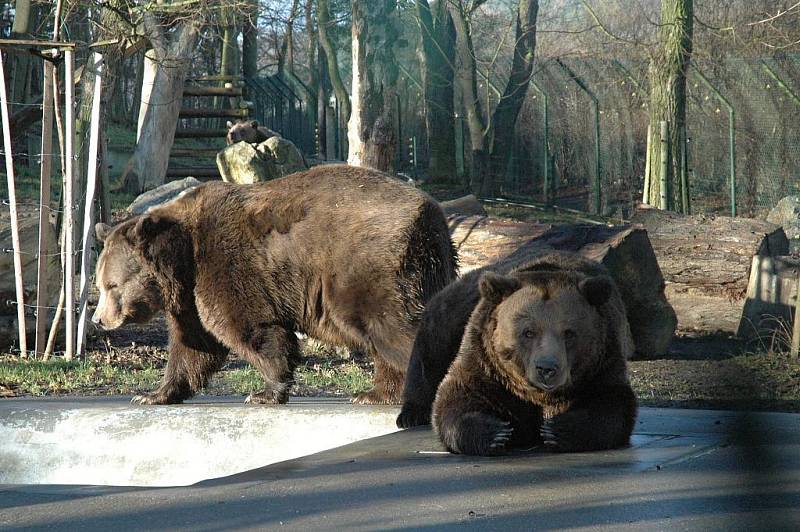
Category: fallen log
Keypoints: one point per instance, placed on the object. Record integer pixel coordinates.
(709, 255)
(624, 250)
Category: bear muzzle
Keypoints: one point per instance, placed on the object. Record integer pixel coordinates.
(546, 374)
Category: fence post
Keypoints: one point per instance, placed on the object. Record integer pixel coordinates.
(88, 211)
(12, 203)
(546, 185)
(685, 196)
(69, 200)
(731, 134)
(664, 170)
(459, 138)
(596, 107)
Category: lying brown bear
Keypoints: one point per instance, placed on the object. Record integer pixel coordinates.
(542, 360)
(347, 255)
(248, 131)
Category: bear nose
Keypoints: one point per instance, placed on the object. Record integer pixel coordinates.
(547, 370)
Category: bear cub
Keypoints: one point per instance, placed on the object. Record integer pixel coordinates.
(542, 361)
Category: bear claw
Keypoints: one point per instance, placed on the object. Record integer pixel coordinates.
(501, 437)
(547, 433)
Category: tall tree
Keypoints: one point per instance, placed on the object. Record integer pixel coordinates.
(437, 58)
(371, 131)
(491, 139)
(667, 75)
(324, 25)
(286, 55)
(250, 40)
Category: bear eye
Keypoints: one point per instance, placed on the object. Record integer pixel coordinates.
(111, 286)
(569, 334)
(527, 333)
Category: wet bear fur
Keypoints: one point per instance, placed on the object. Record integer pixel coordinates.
(445, 319)
(346, 255)
(542, 361)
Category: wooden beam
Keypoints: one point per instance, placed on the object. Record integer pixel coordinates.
(197, 90)
(187, 112)
(12, 202)
(46, 169)
(200, 133)
(88, 211)
(37, 44)
(194, 152)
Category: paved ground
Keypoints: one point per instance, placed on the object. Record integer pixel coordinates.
(686, 470)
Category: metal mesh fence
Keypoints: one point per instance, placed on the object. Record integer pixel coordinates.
(556, 143)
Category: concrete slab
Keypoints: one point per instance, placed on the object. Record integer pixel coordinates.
(686, 470)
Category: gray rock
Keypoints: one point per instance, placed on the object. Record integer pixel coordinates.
(246, 163)
(161, 194)
(787, 214)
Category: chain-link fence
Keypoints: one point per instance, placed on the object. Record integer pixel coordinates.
(584, 124)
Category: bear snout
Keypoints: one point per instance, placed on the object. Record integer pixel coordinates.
(546, 374)
(547, 371)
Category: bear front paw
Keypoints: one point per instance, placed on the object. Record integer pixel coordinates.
(477, 434)
(277, 397)
(375, 396)
(413, 415)
(564, 433)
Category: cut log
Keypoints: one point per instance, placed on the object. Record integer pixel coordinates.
(208, 112)
(200, 133)
(768, 311)
(624, 250)
(709, 255)
(198, 90)
(468, 205)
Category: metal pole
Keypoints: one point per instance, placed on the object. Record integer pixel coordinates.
(546, 185)
(12, 202)
(46, 158)
(596, 107)
(731, 135)
(69, 202)
(88, 211)
(647, 158)
(685, 196)
(664, 132)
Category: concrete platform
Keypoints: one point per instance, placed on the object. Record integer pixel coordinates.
(686, 470)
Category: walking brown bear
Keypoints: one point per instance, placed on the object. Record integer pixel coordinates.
(346, 255)
(542, 359)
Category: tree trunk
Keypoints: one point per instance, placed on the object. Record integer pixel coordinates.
(466, 77)
(668, 93)
(437, 58)
(323, 89)
(286, 55)
(371, 130)
(147, 167)
(505, 114)
(20, 63)
(323, 23)
(250, 42)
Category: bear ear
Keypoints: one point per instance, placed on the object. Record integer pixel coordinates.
(596, 290)
(148, 227)
(495, 287)
(101, 231)
(254, 123)
(229, 124)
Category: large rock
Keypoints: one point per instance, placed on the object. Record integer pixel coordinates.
(29, 242)
(161, 194)
(246, 163)
(787, 214)
(768, 311)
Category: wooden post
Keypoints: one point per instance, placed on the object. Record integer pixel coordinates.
(664, 131)
(42, 292)
(12, 202)
(88, 211)
(796, 325)
(69, 202)
(646, 192)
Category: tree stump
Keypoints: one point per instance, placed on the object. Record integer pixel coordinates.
(624, 250)
(768, 311)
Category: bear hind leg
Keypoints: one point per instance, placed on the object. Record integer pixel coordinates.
(388, 385)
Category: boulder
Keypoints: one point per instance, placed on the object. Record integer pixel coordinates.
(161, 194)
(787, 214)
(246, 163)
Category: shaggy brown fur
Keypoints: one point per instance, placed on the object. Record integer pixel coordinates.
(542, 361)
(248, 131)
(346, 255)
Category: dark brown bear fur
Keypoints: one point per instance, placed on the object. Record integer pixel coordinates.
(542, 361)
(445, 318)
(347, 255)
(248, 131)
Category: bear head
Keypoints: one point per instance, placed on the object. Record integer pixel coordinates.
(136, 272)
(248, 131)
(546, 331)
